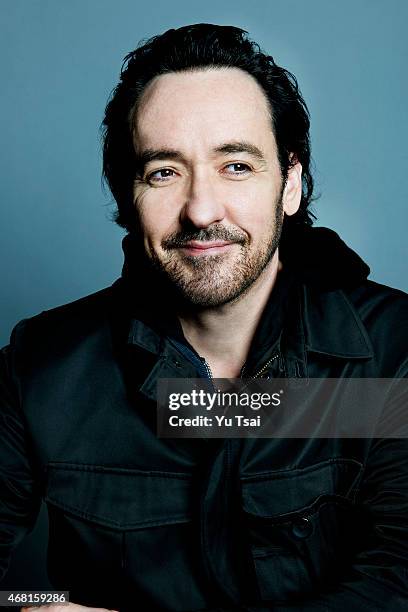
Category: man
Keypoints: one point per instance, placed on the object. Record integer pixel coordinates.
(206, 151)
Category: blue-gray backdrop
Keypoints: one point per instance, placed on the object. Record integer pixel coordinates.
(59, 60)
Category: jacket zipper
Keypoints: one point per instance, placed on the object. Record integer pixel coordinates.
(207, 368)
(264, 367)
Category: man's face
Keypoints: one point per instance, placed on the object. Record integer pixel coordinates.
(209, 196)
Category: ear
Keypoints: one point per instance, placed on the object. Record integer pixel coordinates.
(293, 190)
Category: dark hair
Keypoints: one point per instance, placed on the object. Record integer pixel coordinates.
(195, 47)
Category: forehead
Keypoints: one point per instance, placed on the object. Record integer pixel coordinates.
(209, 105)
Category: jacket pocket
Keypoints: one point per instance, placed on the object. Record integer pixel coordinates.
(119, 498)
(303, 526)
(93, 511)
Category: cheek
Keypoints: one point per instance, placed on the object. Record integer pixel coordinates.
(157, 216)
(254, 211)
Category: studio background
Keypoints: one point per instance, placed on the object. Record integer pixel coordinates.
(60, 60)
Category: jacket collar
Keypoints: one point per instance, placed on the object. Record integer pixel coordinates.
(332, 325)
(327, 270)
(322, 319)
(329, 324)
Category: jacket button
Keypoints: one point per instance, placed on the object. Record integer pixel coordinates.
(302, 528)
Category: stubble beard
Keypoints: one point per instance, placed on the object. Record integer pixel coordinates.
(215, 280)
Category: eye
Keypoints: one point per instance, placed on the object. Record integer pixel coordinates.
(238, 169)
(160, 176)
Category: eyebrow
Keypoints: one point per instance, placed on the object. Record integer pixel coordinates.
(241, 146)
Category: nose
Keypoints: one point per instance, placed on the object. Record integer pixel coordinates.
(203, 205)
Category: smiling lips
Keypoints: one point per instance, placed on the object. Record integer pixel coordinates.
(209, 247)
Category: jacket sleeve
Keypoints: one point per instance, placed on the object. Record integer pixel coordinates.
(20, 497)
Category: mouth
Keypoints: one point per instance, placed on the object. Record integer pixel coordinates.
(202, 248)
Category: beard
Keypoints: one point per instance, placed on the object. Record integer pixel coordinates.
(215, 280)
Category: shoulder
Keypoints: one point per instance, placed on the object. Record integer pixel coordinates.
(370, 290)
(380, 306)
(63, 326)
(383, 311)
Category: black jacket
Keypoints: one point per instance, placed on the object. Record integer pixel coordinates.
(138, 522)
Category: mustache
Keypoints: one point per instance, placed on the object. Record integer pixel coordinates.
(215, 232)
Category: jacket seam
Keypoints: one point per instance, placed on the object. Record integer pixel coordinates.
(178, 518)
(293, 472)
(126, 471)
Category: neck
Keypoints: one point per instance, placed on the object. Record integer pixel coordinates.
(223, 335)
